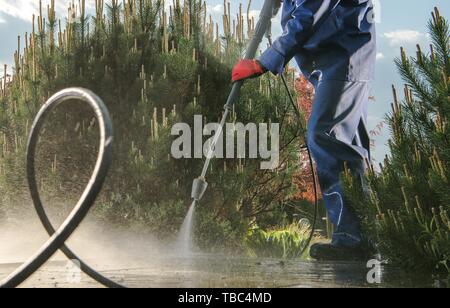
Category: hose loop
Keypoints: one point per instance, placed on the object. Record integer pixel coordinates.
(59, 236)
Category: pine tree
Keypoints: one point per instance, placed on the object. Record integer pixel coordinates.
(153, 68)
(407, 212)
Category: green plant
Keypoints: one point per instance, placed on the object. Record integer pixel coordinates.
(153, 68)
(286, 243)
(406, 213)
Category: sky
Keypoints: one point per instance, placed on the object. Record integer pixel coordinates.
(400, 23)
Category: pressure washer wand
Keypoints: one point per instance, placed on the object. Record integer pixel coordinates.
(268, 11)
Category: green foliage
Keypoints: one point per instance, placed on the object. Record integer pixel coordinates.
(151, 71)
(162, 219)
(407, 211)
(285, 243)
(214, 233)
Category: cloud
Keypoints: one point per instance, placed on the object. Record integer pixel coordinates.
(380, 56)
(215, 9)
(2, 21)
(24, 9)
(400, 37)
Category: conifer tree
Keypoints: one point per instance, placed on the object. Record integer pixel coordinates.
(407, 211)
(153, 67)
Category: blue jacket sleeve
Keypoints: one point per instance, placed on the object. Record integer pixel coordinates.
(305, 16)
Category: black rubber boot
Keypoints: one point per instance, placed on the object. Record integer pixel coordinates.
(328, 252)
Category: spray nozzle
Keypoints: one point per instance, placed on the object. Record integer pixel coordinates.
(198, 188)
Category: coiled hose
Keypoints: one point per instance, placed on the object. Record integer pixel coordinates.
(58, 237)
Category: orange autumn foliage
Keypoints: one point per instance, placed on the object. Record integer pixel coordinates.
(303, 179)
(305, 96)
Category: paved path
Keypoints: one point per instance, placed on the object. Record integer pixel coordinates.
(214, 271)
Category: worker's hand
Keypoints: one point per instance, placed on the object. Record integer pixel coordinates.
(246, 69)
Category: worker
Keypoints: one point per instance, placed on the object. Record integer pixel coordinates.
(334, 45)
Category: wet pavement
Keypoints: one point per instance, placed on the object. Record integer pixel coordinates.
(216, 271)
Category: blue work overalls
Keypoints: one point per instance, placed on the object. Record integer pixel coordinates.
(334, 44)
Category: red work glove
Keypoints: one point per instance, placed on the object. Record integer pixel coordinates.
(246, 69)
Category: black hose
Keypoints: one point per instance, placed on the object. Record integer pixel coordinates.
(58, 237)
(313, 169)
(310, 158)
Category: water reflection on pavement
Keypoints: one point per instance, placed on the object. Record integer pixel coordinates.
(205, 271)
